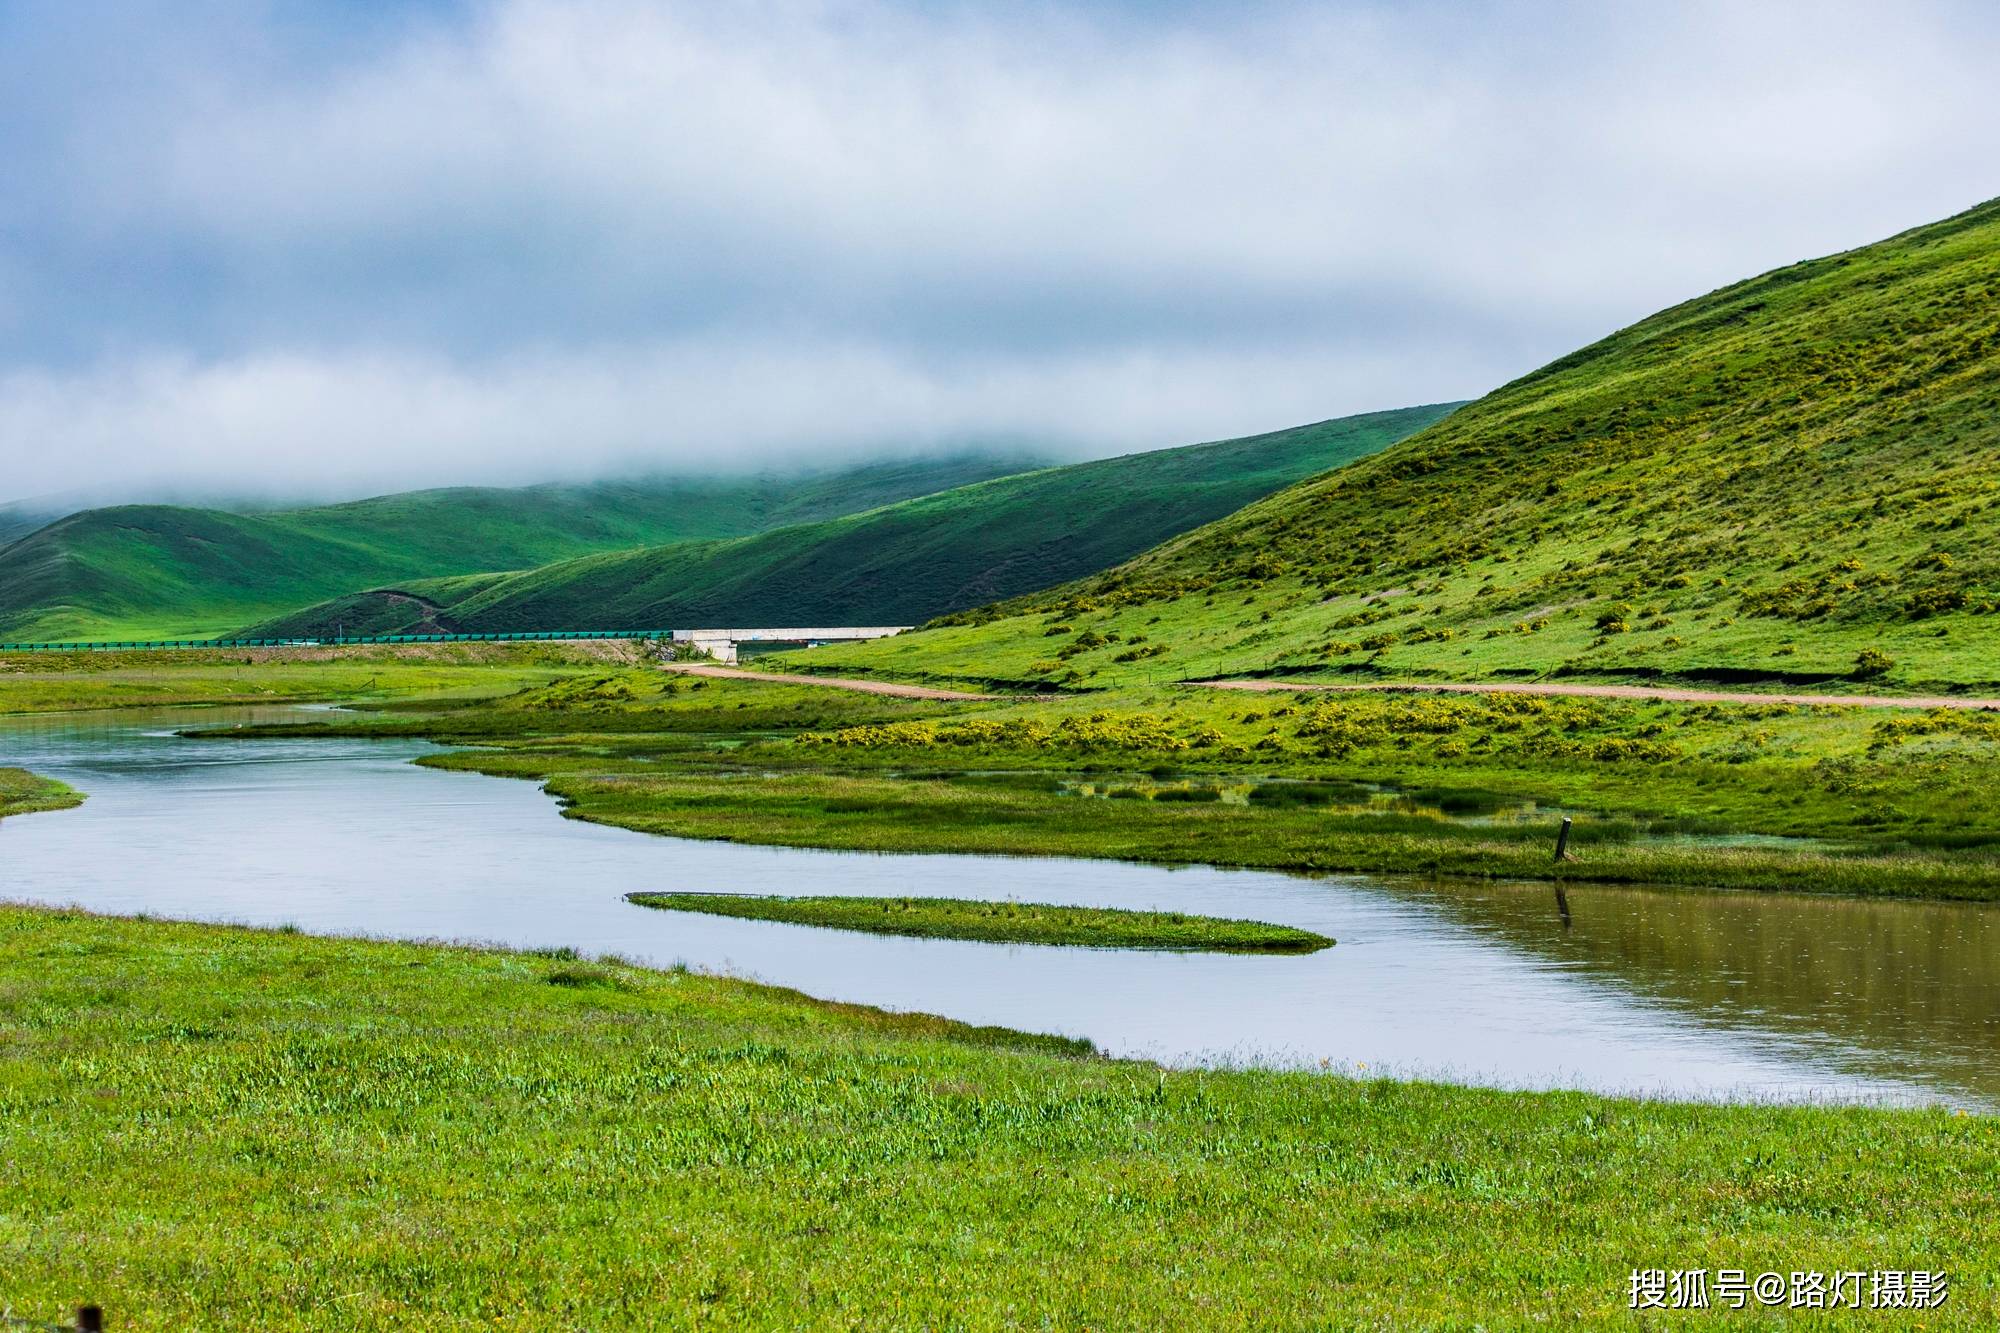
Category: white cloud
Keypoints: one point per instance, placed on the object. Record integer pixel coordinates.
(564, 236)
(346, 424)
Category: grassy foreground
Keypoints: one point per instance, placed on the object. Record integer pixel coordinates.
(22, 792)
(208, 1127)
(1005, 923)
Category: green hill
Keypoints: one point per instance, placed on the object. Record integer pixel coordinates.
(21, 517)
(137, 571)
(897, 564)
(1796, 477)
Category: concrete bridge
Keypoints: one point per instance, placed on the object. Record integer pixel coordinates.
(721, 644)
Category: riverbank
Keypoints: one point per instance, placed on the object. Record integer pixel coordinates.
(442, 1134)
(64, 682)
(1028, 815)
(1699, 794)
(1819, 798)
(24, 793)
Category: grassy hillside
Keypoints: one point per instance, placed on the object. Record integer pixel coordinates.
(902, 563)
(1797, 477)
(22, 517)
(174, 571)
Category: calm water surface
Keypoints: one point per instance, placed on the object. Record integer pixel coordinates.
(1674, 993)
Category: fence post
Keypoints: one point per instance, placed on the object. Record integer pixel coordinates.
(1562, 855)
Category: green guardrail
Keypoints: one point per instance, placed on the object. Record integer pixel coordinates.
(338, 641)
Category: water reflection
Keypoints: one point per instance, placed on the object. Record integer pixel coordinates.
(1697, 995)
(1901, 984)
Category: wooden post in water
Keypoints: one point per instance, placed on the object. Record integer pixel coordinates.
(1562, 855)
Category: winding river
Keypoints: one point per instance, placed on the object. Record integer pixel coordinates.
(1681, 994)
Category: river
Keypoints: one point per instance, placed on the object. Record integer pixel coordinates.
(1670, 993)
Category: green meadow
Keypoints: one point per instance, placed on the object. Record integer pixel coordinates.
(203, 1123)
(1791, 480)
(208, 1127)
(58, 682)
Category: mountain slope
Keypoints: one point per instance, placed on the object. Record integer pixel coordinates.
(132, 571)
(1794, 477)
(893, 565)
(22, 517)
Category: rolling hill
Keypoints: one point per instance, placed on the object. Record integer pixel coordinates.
(900, 563)
(1793, 478)
(173, 571)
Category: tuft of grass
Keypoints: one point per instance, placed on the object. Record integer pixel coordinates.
(1002, 922)
(586, 976)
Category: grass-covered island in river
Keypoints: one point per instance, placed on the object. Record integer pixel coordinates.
(1001, 922)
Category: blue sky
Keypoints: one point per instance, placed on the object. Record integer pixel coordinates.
(334, 248)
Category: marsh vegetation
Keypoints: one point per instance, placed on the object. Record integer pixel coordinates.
(1810, 798)
(1002, 922)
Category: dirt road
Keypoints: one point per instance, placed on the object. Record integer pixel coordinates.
(1622, 692)
(830, 682)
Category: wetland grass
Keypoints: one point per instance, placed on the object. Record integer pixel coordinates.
(1002, 922)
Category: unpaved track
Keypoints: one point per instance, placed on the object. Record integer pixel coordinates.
(1620, 692)
(830, 682)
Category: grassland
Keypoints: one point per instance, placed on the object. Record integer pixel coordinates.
(23, 793)
(1796, 478)
(174, 572)
(1001, 922)
(1804, 798)
(1791, 479)
(215, 1128)
(44, 682)
(894, 565)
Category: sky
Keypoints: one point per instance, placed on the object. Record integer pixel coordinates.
(328, 249)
